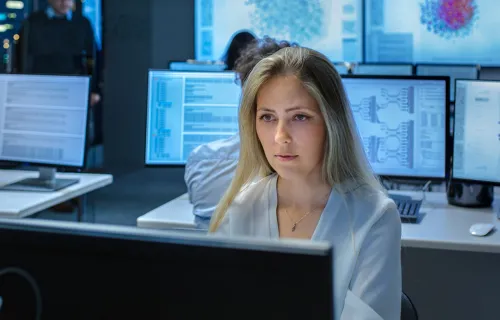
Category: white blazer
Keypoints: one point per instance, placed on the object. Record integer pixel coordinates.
(365, 229)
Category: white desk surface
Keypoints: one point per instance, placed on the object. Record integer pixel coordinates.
(177, 213)
(443, 226)
(19, 204)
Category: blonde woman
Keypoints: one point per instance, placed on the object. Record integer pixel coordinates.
(302, 173)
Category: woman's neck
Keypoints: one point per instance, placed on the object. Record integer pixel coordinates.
(304, 195)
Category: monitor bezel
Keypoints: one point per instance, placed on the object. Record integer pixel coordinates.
(186, 61)
(452, 147)
(447, 125)
(169, 165)
(86, 143)
(413, 68)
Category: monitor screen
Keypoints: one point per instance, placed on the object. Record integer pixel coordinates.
(384, 69)
(402, 123)
(489, 73)
(333, 27)
(43, 119)
(432, 31)
(187, 109)
(476, 146)
(454, 72)
(187, 66)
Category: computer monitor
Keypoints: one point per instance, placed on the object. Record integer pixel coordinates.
(489, 73)
(454, 72)
(432, 31)
(43, 122)
(196, 66)
(476, 140)
(341, 68)
(384, 69)
(187, 109)
(332, 27)
(402, 122)
(88, 271)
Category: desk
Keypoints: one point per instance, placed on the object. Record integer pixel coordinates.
(442, 227)
(19, 204)
(175, 214)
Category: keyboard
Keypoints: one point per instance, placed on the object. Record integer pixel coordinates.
(409, 209)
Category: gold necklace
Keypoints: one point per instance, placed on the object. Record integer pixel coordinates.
(297, 222)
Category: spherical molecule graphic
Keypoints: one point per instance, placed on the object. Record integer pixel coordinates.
(301, 20)
(449, 18)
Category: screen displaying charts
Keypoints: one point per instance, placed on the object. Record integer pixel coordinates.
(187, 109)
(476, 146)
(333, 27)
(454, 72)
(402, 124)
(432, 31)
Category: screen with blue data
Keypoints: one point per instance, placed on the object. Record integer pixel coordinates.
(432, 31)
(187, 109)
(402, 124)
(476, 146)
(92, 11)
(454, 72)
(43, 119)
(384, 70)
(333, 27)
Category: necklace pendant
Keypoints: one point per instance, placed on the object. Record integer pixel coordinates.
(294, 227)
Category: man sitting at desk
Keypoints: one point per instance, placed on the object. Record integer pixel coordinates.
(210, 167)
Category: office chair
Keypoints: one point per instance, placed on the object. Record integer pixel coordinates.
(408, 311)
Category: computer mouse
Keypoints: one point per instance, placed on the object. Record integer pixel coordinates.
(481, 229)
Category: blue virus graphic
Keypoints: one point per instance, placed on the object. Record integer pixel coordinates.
(449, 18)
(302, 20)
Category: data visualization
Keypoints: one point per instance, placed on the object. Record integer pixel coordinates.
(333, 27)
(187, 109)
(188, 66)
(476, 146)
(43, 119)
(432, 31)
(402, 124)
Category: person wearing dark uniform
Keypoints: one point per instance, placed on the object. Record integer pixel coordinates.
(57, 41)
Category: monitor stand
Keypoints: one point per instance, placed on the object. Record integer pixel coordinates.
(46, 182)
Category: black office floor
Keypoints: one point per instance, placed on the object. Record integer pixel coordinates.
(128, 197)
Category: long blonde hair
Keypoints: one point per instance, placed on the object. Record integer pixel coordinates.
(344, 158)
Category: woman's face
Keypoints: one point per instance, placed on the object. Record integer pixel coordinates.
(290, 128)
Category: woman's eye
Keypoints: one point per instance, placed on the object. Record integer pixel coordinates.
(301, 117)
(266, 117)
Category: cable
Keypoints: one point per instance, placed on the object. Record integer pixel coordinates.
(425, 188)
(32, 282)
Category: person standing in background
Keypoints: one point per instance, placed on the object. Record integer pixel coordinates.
(57, 41)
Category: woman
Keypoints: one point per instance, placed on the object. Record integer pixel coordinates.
(302, 173)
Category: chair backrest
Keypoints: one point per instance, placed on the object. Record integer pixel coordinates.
(408, 311)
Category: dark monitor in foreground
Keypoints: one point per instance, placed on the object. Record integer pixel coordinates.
(476, 146)
(43, 122)
(87, 271)
(187, 109)
(402, 122)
